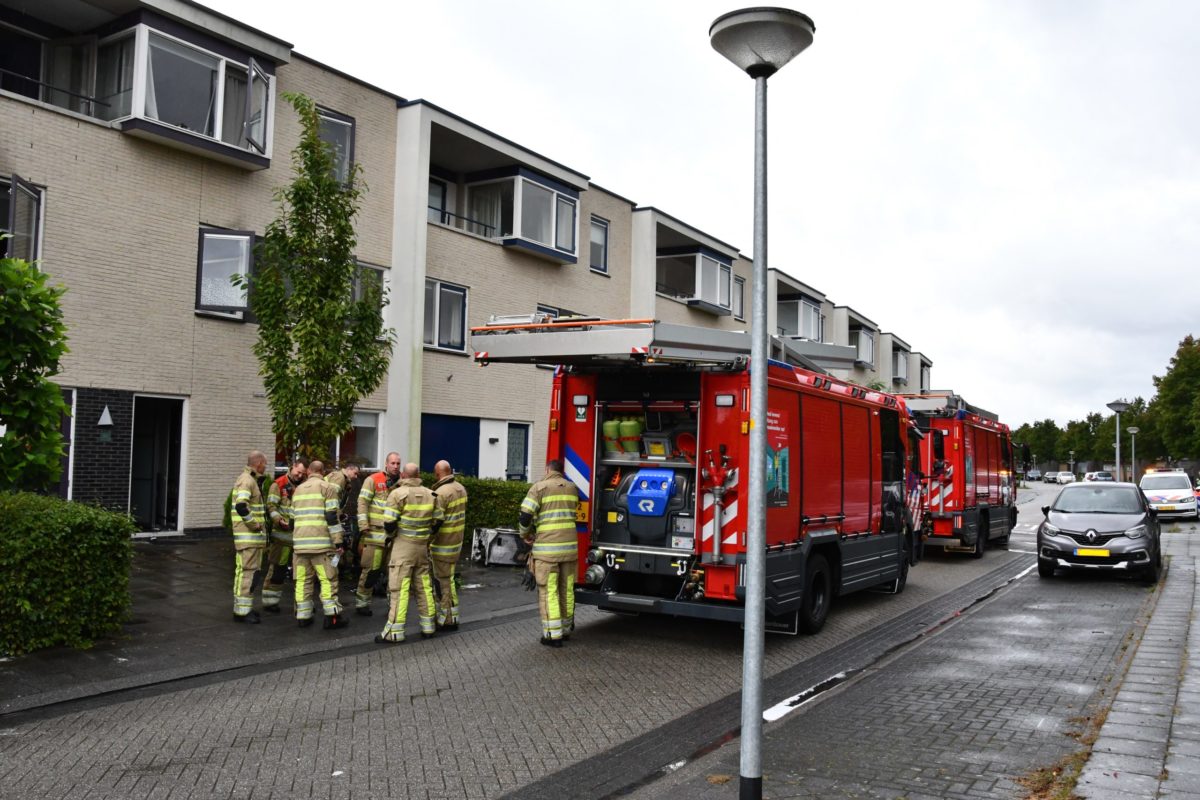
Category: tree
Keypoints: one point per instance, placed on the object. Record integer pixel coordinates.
(1176, 406)
(321, 343)
(33, 339)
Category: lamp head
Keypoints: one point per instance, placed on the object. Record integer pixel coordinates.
(1118, 406)
(1133, 429)
(760, 41)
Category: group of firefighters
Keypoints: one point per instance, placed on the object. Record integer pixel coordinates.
(414, 530)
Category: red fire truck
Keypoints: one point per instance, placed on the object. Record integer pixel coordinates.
(969, 496)
(652, 421)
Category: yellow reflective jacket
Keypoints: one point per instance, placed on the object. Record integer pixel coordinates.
(313, 505)
(451, 498)
(412, 507)
(248, 530)
(552, 503)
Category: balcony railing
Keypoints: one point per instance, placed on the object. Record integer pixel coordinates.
(91, 102)
(461, 223)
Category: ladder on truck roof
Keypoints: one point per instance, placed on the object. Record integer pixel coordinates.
(594, 342)
(944, 403)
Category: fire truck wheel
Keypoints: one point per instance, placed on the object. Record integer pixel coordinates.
(980, 540)
(818, 593)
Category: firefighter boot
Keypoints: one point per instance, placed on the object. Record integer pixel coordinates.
(363, 611)
(546, 640)
(251, 618)
(336, 621)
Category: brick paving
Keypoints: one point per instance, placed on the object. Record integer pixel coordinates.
(963, 714)
(479, 713)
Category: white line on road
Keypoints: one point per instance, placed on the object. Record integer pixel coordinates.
(781, 710)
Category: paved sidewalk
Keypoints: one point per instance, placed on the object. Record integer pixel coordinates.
(1149, 746)
(181, 627)
(1004, 690)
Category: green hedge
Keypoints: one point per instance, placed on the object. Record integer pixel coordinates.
(64, 572)
(491, 502)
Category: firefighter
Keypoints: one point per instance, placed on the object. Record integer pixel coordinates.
(341, 479)
(411, 516)
(279, 552)
(249, 536)
(317, 544)
(446, 546)
(373, 540)
(547, 522)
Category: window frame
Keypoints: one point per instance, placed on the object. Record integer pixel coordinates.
(441, 210)
(342, 119)
(900, 366)
(738, 298)
(238, 313)
(724, 275)
(439, 285)
(516, 235)
(37, 195)
(143, 33)
(860, 334)
(602, 224)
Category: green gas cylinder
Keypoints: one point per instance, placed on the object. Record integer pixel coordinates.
(612, 435)
(631, 434)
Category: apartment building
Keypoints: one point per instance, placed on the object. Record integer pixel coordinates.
(142, 143)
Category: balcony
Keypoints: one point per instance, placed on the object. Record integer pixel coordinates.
(148, 76)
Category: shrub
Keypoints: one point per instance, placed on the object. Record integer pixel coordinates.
(491, 502)
(64, 572)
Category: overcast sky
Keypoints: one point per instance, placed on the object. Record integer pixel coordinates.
(1012, 188)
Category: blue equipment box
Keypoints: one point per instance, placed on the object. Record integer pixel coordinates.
(652, 489)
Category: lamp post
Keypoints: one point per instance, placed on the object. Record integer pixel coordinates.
(1072, 461)
(759, 41)
(1118, 406)
(1133, 432)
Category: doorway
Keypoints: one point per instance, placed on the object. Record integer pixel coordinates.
(518, 452)
(155, 464)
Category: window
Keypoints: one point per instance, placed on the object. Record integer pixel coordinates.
(900, 366)
(812, 324)
(337, 131)
(368, 275)
(21, 219)
(864, 342)
(598, 257)
(437, 201)
(223, 254)
(361, 443)
(697, 278)
(114, 78)
(739, 298)
(926, 380)
(445, 315)
(526, 209)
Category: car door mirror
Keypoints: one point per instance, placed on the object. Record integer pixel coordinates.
(1046, 511)
(939, 446)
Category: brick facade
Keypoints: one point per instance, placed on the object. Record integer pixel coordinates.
(101, 473)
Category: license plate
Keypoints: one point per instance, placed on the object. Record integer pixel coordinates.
(1166, 508)
(1086, 551)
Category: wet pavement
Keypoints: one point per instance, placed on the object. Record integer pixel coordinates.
(180, 626)
(975, 675)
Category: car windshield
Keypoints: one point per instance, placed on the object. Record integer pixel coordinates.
(1099, 500)
(1165, 482)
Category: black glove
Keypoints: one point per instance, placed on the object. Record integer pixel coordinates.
(528, 581)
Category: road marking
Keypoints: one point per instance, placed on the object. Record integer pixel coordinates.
(781, 710)
(1026, 552)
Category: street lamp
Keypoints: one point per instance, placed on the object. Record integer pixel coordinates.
(1118, 406)
(1133, 432)
(759, 41)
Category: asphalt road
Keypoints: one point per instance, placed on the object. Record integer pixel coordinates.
(488, 713)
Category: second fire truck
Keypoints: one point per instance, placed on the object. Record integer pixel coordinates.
(652, 423)
(969, 495)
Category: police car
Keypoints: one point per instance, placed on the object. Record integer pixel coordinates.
(1169, 493)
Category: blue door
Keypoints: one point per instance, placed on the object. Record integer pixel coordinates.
(455, 439)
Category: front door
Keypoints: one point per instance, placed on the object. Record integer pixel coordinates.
(157, 446)
(518, 452)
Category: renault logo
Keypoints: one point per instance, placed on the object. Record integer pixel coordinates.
(1091, 536)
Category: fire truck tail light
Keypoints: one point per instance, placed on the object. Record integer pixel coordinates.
(725, 400)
